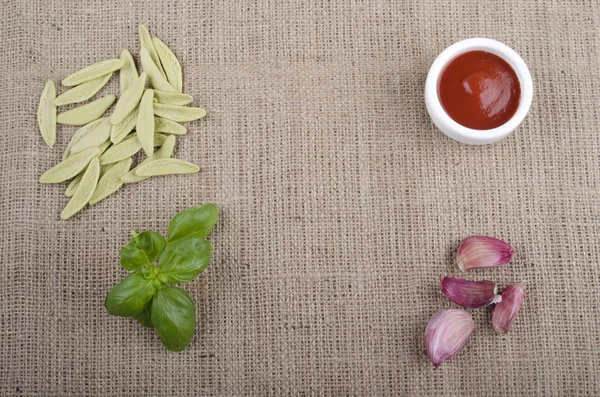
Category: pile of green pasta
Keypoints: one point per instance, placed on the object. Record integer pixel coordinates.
(99, 157)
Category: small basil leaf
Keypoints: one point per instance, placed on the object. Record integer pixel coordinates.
(195, 222)
(130, 296)
(173, 314)
(149, 271)
(142, 250)
(144, 317)
(184, 259)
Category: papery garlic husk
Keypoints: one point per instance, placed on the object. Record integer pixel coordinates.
(446, 333)
(473, 294)
(505, 312)
(479, 252)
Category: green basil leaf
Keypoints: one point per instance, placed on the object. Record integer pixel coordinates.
(184, 259)
(130, 296)
(142, 250)
(149, 271)
(144, 317)
(173, 315)
(195, 222)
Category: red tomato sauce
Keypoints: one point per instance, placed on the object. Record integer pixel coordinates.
(479, 90)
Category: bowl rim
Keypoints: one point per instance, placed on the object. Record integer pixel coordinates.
(458, 131)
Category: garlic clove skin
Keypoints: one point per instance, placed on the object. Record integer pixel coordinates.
(505, 312)
(473, 294)
(446, 333)
(479, 252)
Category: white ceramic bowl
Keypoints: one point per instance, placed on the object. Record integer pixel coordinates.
(459, 132)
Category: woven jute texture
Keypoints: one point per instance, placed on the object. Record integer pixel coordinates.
(341, 203)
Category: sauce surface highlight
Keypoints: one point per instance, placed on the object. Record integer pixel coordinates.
(479, 90)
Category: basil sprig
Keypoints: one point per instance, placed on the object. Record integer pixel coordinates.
(146, 294)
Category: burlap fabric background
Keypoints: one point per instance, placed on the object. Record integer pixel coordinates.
(341, 203)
